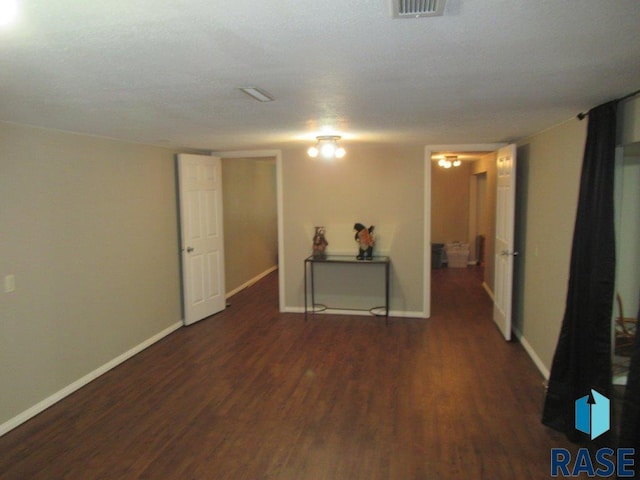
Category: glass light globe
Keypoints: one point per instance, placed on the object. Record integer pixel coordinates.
(328, 150)
(312, 152)
(340, 152)
(8, 11)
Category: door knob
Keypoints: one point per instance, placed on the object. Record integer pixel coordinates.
(190, 249)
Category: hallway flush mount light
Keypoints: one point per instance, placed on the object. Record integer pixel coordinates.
(327, 148)
(449, 161)
(255, 93)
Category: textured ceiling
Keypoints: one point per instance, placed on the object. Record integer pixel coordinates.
(168, 72)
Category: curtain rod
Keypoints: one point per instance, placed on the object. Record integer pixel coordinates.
(583, 115)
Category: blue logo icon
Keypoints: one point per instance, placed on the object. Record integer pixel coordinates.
(592, 414)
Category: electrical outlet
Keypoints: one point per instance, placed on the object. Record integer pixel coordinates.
(9, 283)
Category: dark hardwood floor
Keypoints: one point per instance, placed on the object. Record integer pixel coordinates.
(254, 394)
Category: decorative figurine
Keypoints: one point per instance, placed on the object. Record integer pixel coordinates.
(364, 237)
(319, 243)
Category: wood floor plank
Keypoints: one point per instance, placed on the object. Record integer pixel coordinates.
(254, 394)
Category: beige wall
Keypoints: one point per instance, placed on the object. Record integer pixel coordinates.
(373, 185)
(629, 121)
(487, 165)
(450, 203)
(250, 219)
(88, 226)
(551, 162)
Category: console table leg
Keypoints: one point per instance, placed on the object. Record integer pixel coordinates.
(386, 293)
(305, 291)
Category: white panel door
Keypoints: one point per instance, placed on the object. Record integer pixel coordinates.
(202, 241)
(504, 242)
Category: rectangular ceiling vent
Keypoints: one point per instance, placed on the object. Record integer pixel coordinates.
(418, 8)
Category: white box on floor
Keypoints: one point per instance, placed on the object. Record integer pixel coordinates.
(457, 254)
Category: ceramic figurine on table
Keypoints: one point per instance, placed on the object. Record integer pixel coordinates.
(366, 241)
(319, 243)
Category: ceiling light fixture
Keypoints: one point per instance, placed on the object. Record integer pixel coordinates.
(257, 94)
(327, 147)
(449, 161)
(8, 11)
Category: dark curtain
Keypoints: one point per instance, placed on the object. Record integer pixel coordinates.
(582, 359)
(630, 422)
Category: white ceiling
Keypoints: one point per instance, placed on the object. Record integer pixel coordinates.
(167, 72)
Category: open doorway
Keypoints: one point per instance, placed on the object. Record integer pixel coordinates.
(252, 217)
(476, 177)
(250, 220)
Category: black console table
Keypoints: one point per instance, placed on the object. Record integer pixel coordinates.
(344, 260)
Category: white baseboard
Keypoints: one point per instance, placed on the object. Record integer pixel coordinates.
(68, 390)
(523, 341)
(251, 282)
(532, 354)
(337, 311)
(402, 314)
(488, 290)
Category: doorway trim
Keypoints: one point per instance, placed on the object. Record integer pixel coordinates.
(277, 154)
(429, 150)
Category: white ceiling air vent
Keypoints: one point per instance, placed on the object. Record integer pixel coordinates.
(417, 8)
